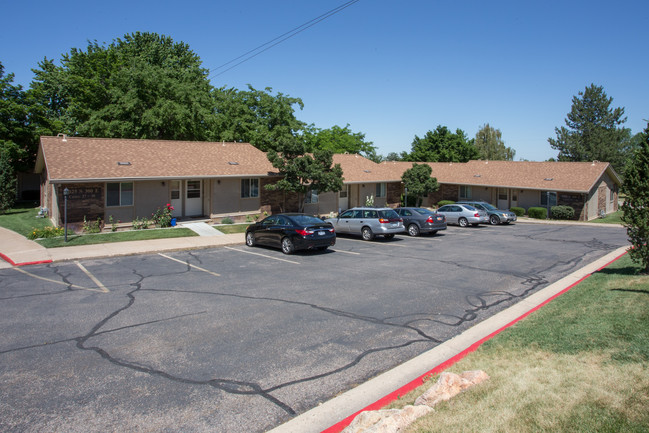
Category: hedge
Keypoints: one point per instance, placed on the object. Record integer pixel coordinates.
(444, 202)
(519, 211)
(537, 212)
(562, 212)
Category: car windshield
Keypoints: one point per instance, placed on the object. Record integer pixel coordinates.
(489, 206)
(469, 207)
(424, 211)
(305, 220)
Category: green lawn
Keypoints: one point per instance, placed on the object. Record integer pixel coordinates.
(22, 219)
(612, 218)
(231, 228)
(103, 238)
(579, 364)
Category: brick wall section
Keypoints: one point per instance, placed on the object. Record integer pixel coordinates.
(276, 201)
(393, 194)
(445, 192)
(576, 201)
(85, 199)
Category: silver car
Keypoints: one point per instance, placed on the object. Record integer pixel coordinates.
(368, 222)
(463, 215)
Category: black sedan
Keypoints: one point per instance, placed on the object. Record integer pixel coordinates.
(418, 220)
(291, 232)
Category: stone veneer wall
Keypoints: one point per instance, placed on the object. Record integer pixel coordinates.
(85, 199)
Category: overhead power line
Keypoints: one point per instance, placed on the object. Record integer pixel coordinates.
(278, 40)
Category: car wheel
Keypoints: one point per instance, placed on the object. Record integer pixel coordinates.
(463, 222)
(388, 236)
(494, 220)
(413, 230)
(367, 234)
(250, 239)
(287, 246)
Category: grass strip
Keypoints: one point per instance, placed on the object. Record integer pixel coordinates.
(579, 364)
(102, 238)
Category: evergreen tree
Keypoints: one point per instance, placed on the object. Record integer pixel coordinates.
(593, 130)
(442, 145)
(636, 204)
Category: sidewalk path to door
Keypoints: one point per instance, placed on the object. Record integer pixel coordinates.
(17, 250)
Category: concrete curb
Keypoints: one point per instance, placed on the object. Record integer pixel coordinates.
(335, 414)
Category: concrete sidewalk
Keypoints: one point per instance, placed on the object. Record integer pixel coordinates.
(17, 250)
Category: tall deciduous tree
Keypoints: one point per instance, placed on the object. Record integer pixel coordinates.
(302, 171)
(142, 86)
(419, 182)
(256, 116)
(490, 144)
(592, 130)
(442, 145)
(636, 204)
(339, 140)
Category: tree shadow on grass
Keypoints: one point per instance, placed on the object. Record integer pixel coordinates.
(644, 292)
(625, 270)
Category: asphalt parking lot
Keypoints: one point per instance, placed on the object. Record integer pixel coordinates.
(240, 339)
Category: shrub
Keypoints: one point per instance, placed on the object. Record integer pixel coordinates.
(141, 223)
(46, 232)
(519, 211)
(162, 217)
(92, 227)
(227, 220)
(444, 202)
(537, 212)
(562, 212)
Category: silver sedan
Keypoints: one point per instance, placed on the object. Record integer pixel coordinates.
(463, 215)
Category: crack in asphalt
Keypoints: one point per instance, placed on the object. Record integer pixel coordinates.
(478, 302)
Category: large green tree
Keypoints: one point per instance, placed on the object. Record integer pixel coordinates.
(256, 116)
(593, 130)
(419, 181)
(143, 85)
(17, 134)
(490, 144)
(339, 140)
(442, 145)
(636, 204)
(302, 171)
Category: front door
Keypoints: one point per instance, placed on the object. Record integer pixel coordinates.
(343, 198)
(176, 199)
(193, 198)
(503, 198)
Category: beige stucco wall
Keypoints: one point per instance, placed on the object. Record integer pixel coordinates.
(226, 197)
(327, 202)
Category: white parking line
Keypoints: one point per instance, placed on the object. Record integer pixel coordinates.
(190, 265)
(346, 252)
(92, 277)
(63, 283)
(262, 255)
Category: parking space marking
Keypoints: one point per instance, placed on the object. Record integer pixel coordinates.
(262, 255)
(92, 277)
(63, 283)
(346, 252)
(190, 265)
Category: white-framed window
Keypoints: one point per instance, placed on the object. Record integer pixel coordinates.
(311, 196)
(465, 191)
(194, 189)
(551, 195)
(119, 194)
(381, 189)
(249, 188)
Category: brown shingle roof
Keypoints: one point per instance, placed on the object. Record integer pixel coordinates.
(358, 169)
(101, 158)
(555, 176)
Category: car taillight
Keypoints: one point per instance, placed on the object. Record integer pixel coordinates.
(304, 232)
(383, 221)
(331, 230)
(430, 219)
(477, 215)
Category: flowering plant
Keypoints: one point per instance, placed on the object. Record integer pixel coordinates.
(162, 217)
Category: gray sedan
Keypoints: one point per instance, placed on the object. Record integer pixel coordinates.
(418, 220)
(463, 215)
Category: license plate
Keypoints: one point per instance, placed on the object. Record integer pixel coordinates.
(321, 233)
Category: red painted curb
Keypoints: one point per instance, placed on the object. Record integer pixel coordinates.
(339, 426)
(12, 263)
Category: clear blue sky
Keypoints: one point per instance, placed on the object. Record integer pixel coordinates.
(390, 69)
